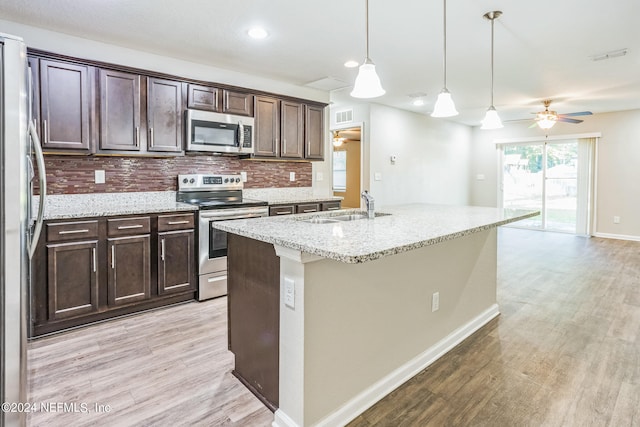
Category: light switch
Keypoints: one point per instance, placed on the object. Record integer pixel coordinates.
(377, 176)
(292, 176)
(100, 177)
(289, 292)
(243, 175)
(480, 177)
(319, 176)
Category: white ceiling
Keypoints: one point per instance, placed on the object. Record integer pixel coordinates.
(542, 47)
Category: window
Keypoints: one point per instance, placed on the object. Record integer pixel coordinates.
(339, 171)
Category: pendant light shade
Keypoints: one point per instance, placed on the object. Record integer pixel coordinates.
(367, 84)
(444, 104)
(491, 119)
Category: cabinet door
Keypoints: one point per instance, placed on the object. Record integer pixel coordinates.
(129, 270)
(292, 142)
(72, 282)
(65, 105)
(176, 262)
(202, 98)
(237, 103)
(267, 126)
(119, 111)
(314, 133)
(164, 115)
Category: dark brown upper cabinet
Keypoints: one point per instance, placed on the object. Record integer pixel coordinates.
(267, 127)
(237, 103)
(203, 98)
(292, 130)
(314, 132)
(66, 106)
(164, 115)
(119, 111)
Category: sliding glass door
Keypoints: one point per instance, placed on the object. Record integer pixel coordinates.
(552, 177)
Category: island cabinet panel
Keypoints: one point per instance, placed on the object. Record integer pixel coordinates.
(94, 269)
(292, 128)
(314, 132)
(66, 106)
(73, 279)
(267, 127)
(129, 270)
(203, 98)
(237, 103)
(119, 111)
(331, 206)
(254, 315)
(164, 115)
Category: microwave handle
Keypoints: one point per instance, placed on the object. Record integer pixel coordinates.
(240, 135)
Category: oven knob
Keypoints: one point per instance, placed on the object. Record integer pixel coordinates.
(237, 179)
(184, 181)
(226, 180)
(192, 180)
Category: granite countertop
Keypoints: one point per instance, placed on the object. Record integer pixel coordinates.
(111, 204)
(406, 227)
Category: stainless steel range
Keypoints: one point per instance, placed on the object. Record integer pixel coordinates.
(219, 198)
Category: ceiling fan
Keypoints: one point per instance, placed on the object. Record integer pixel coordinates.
(546, 119)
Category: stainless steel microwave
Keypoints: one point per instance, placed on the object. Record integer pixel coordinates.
(219, 133)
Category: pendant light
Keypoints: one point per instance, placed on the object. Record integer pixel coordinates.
(367, 84)
(491, 119)
(444, 106)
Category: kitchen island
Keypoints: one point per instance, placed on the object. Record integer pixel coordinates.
(360, 305)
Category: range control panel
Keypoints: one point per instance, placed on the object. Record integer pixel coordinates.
(199, 182)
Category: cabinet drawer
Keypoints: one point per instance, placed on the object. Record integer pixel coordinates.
(128, 226)
(175, 222)
(64, 231)
(331, 206)
(281, 210)
(307, 208)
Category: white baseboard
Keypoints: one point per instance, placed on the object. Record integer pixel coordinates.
(386, 385)
(617, 236)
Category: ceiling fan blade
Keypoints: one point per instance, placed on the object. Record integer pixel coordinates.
(533, 125)
(579, 113)
(568, 120)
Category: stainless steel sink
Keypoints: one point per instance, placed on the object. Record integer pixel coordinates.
(319, 220)
(340, 218)
(351, 217)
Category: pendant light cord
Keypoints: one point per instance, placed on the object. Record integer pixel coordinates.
(366, 8)
(444, 55)
(492, 19)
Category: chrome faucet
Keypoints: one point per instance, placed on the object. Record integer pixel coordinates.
(368, 200)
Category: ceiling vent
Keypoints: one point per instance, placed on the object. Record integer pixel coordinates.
(345, 116)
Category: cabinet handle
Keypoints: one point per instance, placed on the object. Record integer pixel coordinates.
(284, 213)
(45, 132)
(216, 279)
(93, 254)
(333, 209)
(137, 136)
(113, 256)
(150, 137)
(177, 222)
(72, 231)
(162, 249)
(309, 210)
(128, 227)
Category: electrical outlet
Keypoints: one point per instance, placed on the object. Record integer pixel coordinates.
(243, 176)
(99, 177)
(616, 220)
(377, 176)
(480, 177)
(292, 176)
(319, 176)
(435, 301)
(289, 292)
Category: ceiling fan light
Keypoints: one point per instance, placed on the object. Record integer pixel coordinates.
(491, 120)
(444, 106)
(546, 123)
(367, 84)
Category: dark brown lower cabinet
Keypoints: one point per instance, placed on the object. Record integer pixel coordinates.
(254, 315)
(93, 269)
(73, 279)
(175, 261)
(129, 269)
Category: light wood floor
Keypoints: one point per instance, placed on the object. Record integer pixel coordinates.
(564, 352)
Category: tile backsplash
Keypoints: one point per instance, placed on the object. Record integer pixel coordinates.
(75, 175)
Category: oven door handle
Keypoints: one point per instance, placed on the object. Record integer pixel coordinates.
(228, 217)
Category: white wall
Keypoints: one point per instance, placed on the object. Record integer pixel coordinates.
(432, 156)
(618, 167)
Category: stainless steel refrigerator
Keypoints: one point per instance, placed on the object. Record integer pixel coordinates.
(18, 232)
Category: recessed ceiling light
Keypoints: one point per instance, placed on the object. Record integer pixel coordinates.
(418, 102)
(257, 33)
(351, 64)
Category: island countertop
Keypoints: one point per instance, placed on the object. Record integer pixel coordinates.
(404, 228)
